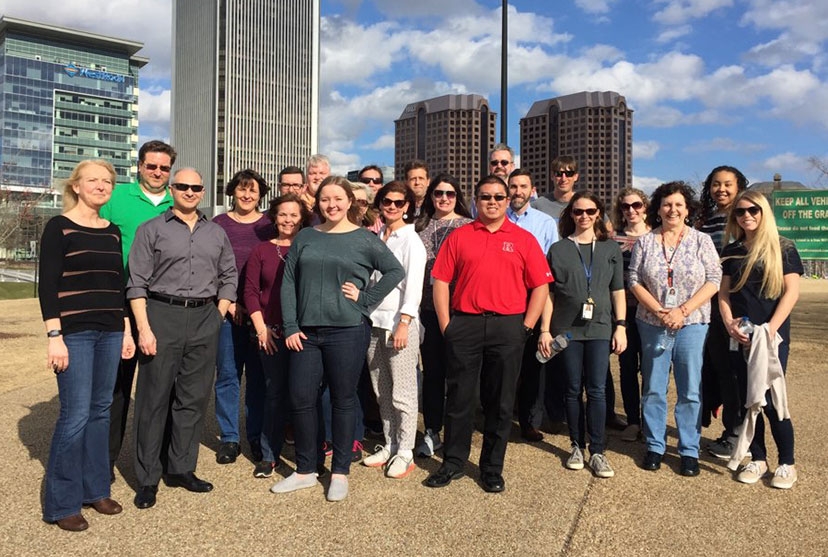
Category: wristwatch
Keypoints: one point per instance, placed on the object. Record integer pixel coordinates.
(405, 319)
(54, 333)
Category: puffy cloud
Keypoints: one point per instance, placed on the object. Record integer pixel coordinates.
(351, 53)
(385, 141)
(678, 12)
(595, 6)
(786, 162)
(803, 20)
(673, 33)
(154, 106)
(645, 149)
(425, 8)
(646, 184)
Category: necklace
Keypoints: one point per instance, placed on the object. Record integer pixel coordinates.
(279, 252)
(452, 223)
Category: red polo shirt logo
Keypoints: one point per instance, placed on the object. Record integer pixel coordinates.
(509, 247)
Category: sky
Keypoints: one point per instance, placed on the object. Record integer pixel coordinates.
(738, 82)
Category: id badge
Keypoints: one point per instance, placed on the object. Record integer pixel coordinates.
(586, 311)
(671, 298)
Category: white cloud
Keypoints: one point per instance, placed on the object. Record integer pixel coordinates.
(646, 184)
(154, 106)
(724, 144)
(678, 12)
(425, 8)
(787, 162)
(672, 33)
(385, 141)
(351, 53)
(645, 149)
(595, 6)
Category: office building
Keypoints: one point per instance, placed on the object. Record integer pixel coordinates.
(67, 95)
(245, 90)
(593, 127)
(452, 133)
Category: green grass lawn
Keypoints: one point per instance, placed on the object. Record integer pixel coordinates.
(16, 290)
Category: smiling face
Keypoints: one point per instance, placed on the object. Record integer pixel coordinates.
(520, 190)
(94, 186)
(444, 197)
(334, 203)
(154, 172)
(564, 179)
(292, 183)
(288, 217)
(490, 209)
(187, 201)
(246, 197)
(372, 178)
(580, 214)
(673, 211)
(390, 212)
(361, 201)
(747, 221)
(633, 215)
(723, 188)
(497, 167)
(316, 174)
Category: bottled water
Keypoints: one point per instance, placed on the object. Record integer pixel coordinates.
(558, 344)
(746, 328)
(666, 340)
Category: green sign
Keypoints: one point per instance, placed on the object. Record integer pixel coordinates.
(802, 216)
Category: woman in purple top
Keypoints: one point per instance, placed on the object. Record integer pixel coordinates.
(674, 271)
(246, 227)
(262, 298)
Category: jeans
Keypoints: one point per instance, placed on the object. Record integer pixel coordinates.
(237, 355)
(686, 357)
(333, 355)
(277, 401)
(78, 469)
(585, 362)
(630, 363)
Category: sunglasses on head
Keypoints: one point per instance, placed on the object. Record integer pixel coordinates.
(398, 203)
(592, 211)
(499, 197)
(501, 162)
(151, 167)
(567, 173)
(448, 194)
(367, 180)
(636, 205)
(753, 210)
(197, 188)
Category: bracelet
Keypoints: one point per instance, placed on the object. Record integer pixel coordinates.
(54, 333)
(261, 333)
(684, 310)
(544, 331)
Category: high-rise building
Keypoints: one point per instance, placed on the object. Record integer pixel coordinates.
(245, 90)
(452, 133)
(65, 95)
(593, 127)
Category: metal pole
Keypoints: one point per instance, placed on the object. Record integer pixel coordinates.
(504, 41)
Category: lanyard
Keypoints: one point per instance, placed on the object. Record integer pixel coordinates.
(670, 260)
(587, 270)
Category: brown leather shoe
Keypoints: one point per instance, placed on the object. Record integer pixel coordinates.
(107, 506)
(74, 523)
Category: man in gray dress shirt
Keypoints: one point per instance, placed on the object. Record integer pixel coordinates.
(182, 280)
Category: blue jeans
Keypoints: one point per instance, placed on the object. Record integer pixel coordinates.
(585, 363)
(237, 355)
(331, 355)
(686, 357)
(78, 469)
(277, 401)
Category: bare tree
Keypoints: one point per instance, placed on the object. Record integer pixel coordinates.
(821, 166)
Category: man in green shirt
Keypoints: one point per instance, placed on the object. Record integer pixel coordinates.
(130, 206)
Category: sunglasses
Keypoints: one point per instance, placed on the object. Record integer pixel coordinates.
(367, 180)
(287, 186)
(636, 206)
(501, 162)
(362, 202)
(163, 167)
(448, 194)
(398, 203)
(499, 197)
(753, 210)
(592, 211)
(197, 188)
(567, 173)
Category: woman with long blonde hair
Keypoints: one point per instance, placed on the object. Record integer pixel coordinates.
(761, 282)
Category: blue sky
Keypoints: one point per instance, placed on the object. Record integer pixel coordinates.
(740, 82)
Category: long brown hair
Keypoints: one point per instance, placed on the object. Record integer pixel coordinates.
(353, 211)
(566, 225)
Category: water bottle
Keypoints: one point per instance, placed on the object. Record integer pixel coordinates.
(666, 340)
(746, 328)
(558, 344)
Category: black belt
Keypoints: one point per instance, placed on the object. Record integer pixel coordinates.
(182, 302)
(483, 313)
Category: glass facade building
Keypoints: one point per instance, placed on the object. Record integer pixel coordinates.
(65, 96)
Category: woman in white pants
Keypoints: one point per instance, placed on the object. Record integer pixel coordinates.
(395, 335)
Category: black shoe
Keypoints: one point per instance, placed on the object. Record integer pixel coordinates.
(493, 482)
(188, 481)
(689, 466)
(652, 461)
(531, 434)
(256, 451)
(321, 471)
(616, 423)
(145, 497)
(264, 469)
(443, 477)
(228, 452)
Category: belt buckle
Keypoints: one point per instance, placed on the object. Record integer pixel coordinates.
(188, 303)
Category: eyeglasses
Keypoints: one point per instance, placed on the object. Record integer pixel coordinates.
(362, 202)
(753, 210)
(448, 194)
(501, 162)
(286, 186)
(398, 203)
(499, 197)
(164, 168)
(197, 188)
(367, 180)
(567, 173)
(635, 206)
(592, 211)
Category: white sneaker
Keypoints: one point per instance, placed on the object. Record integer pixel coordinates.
(399, 467)
(431, 443)
(294, 482)
(753, 471)
(601, 466)
(576, 459)
(379, 458)
(784, 477)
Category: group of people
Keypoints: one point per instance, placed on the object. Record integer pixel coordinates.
(333, 300)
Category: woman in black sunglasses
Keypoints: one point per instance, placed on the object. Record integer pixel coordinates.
(588, 290)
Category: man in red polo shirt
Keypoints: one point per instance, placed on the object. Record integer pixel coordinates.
(496, 266)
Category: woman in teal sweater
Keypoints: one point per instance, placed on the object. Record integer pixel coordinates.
(326, 301)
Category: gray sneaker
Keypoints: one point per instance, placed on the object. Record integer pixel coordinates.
(576, 459)
(601, 466)
(431, 443)
(722, 448)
